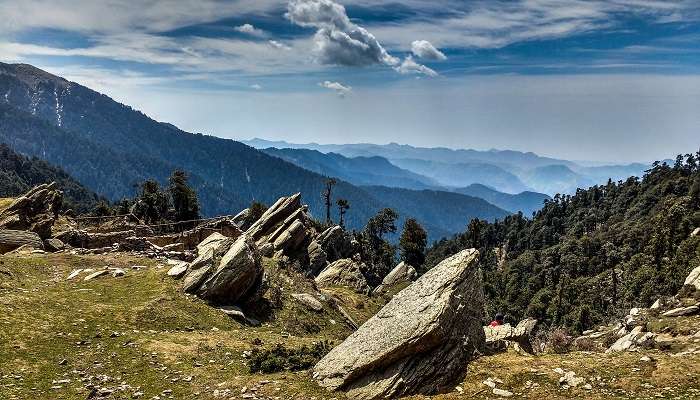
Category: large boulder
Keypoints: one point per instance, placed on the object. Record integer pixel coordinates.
(402, 273)
(419, 343)
(280, 211)
(693, 279)
(209, 254)
(345, 272)
(34, 211)
(13, 239)
(234, 276)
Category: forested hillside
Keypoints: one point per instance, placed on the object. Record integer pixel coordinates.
(526, 202)
(587, 258)
(18, 174)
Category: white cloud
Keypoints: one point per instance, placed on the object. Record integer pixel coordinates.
(256, 86)
(250, 30)
(425, 49)
(338, 41)
(408, 66)
(340, 89)
(278, 45)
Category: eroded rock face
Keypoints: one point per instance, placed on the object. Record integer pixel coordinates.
(419, 343)
(228, 278)
(317, 257)
(345, 272)
(34, 211)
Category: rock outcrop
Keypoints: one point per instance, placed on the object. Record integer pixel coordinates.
(318, 260)
(498, 337)
(228, 279)
(345, 272)
(402, 273)
(278, 212)
(419, 343)
(12, 239)
(34, 211)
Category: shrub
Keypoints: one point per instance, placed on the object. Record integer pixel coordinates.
(559, 341)
(281, 358)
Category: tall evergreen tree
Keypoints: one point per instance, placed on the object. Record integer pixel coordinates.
(184, 197)
(343, 206)
(412, 243)
(152, 203)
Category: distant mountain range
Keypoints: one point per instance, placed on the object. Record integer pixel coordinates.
(503, 170)
(111, 148)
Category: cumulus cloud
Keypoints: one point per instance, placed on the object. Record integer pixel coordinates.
(340, 89)
(338, 41)
(425, 49)
(249, 29)
(409, 66)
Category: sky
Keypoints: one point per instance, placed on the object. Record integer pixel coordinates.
(603, 80)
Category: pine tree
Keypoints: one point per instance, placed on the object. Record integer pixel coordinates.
(152, 203)
(343, 207)
(412, 243)
(184, 197)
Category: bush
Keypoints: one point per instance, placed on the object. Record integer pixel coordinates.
(281, 358)
(558, 341)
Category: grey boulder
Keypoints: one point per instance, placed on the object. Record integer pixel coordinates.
(345, 272)
(419, 343)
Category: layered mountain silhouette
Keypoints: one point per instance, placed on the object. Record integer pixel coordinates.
(111, 148)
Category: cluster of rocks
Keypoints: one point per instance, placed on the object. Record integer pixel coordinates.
(645, 328)
(499, 338)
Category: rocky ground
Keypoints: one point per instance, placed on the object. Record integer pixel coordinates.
(140, 336)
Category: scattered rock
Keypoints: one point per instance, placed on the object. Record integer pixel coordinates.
(420, 342)
(681, 311)
(178, 270)
(520, 335)
(96, 274)
(309, 301)
(53, 245)
(501, 392)
(344, 272)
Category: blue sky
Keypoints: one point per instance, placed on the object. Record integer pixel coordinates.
(613, 80)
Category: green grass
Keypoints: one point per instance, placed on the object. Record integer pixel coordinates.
(140, 333)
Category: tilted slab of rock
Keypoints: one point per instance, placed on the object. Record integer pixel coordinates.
(309, 301)
(419, 343)
(11, 239)
(209, 253)
(400, 274)
(34, 211)
(345, 272)
(235, 275)
(693, 278)
(336, 243)
(681, 311)
(278, 212)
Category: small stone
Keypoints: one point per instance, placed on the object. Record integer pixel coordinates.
(502, 392)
